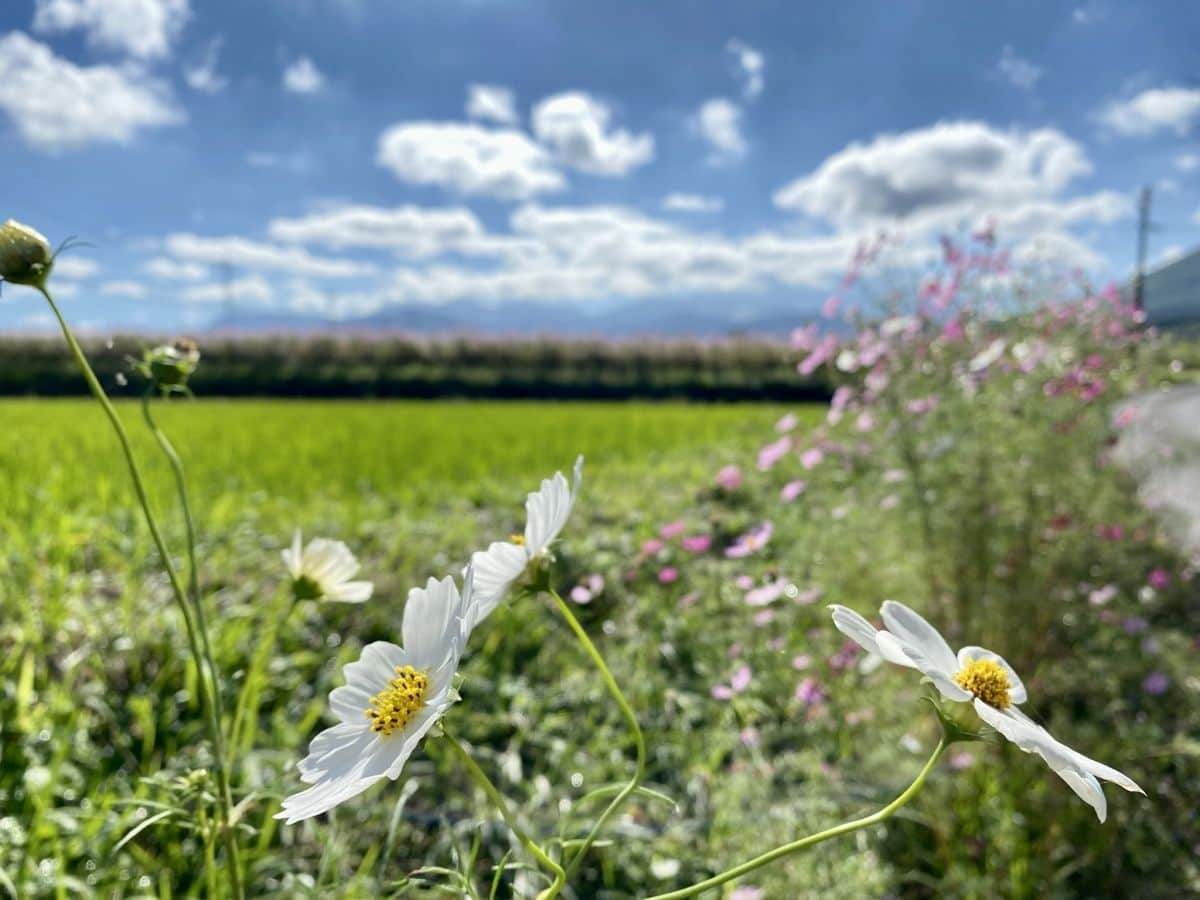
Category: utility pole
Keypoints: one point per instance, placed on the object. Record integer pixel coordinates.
(1139, 277)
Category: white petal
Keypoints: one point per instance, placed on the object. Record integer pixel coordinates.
(350, 592)
(495, 570)
(292, 558)
(329, 562)
(1088, 789)
(328, 741)
(892, 650)
(430, 626)
(350, 702)
(922, 642)
(1016, 691)
(377, 665)
(548, 509)
(855, 627)
(322, 797)
(947, 687)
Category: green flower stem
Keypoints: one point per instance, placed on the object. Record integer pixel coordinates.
(168, 450)
(634, 728)
(242, 732)
(493, 794)
(836, 831)
(214, 726)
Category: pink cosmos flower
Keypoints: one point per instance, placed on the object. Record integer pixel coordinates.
(809, 692)
(1102, 595)
(697, 543)
(922, 405)
(652, 546)
(668, 575)
(747, 892)
(766, 593)
(809, 596)
(865, 421)
(830, 307)
(672, 529)
(763, 617)
(821, 354)
(743, 582)
(729, 478)
(1125, 417)
(749, 736)
(801, 662)
(1110, 533)
(837, 404)
(581, 595)
(787, 423)
(751, 542)
(688, 599)
(952, 331)
(811, 458)
(792, 490)
(804, 339)
(773, 452)
(1158, 579)
(738, 682)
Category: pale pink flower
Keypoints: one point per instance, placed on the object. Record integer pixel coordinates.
(747, 892)
(787, 423)
(689, 599)
(697, 543)
(773, 452)
(809, 692)
(809, 596)
(801, 662)
(891, 501)
(804, 339)
(792, 490)
(668, 575)
(581, 595)
(751, 542)
(830, 307)
(749, 736)
(922, 405)
(729, 478)
(821, 354)
(1125, 417)
(672, 529)
(652, 546)
(1158, 579)
(1102, 595)
(865, 421)
(766, 593)
(811, 458)
(763, 617)
(743, 582)
(738, 682)
(952, 331)
(841, 398)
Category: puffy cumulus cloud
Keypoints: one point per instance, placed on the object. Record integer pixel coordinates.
(252, 289)
(134, 290)
(1056, 249)
(719, 122)
(57, 105)
(576, 126)
(492, 103)
(75, 267)
(302, 77)
(144, 29)
(1158, 109)
(1021, 73)
(468, 158)
(692, 203)
(936, 176)
(166, 269)
(247, 254)
(749, 66)
(201, 73)
(407, 230)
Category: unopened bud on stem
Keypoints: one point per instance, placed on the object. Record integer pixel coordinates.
(25, 255)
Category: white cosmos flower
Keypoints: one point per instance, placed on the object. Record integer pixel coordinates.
(323, 569)
(498, 568)
(984, 679)
(392, 697)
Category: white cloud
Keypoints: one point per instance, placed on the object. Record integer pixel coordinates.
(749, 66)
(1088, 14)
(1196, 218)
(697, 203)
(201, 74)
(255, 289)
(408, 230)
(57, 105)
(1157, 109)
(303, 77)
(75, 267)
(719, 121)
(1056, 249)
(168, 269)
(1169, 255)
(132, 289)
(243, 253)
(1187, 162)
(941, 174)
(298, 162)
(492, 102)
(468, 158)
(576, 126)
(143, 29)
(1021, 73)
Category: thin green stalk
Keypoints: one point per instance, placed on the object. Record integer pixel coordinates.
(168, 450)
(630, 718)
(493, 794)
(836, 831)
(246, 709)
(214, 725)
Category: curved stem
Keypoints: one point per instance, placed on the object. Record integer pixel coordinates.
(168, 450)
(214, 725)
(493, 794)
(836, 831)
(631, 719)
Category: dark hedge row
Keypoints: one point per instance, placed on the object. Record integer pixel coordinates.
(462, 368)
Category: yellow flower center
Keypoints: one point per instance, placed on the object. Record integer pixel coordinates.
(518, 539)
(987, 680)
(393, 707)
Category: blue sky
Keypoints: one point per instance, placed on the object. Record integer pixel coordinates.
(338, 157)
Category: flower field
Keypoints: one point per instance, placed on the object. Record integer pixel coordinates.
(969, 486)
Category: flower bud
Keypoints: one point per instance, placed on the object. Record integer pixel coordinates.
(25, 255)
(170, 365)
